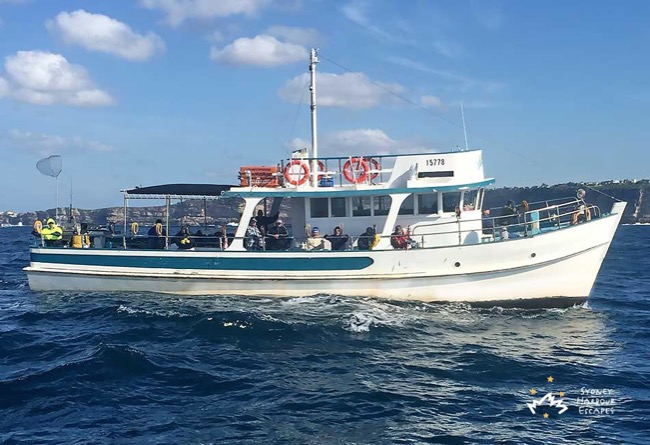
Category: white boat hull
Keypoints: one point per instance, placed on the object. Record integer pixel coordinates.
(560, 263)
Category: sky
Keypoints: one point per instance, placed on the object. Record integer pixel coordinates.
(145, 92)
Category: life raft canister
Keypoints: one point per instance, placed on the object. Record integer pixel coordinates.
(38, 226)
(134, 228)
(296, 168)
(355, 170)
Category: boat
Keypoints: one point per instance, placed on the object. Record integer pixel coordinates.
(448, 248)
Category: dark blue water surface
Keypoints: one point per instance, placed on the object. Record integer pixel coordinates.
(159, 369)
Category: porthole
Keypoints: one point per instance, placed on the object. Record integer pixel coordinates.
(457, 264)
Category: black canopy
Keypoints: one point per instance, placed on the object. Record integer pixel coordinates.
(184, 190)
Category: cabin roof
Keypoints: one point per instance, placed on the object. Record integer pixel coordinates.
(179, 191)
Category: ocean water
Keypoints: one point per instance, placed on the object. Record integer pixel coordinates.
(89, 368)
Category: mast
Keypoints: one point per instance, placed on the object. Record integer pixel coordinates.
(313, 60)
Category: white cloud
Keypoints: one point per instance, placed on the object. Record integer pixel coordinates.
(487, 15)
(448, 49)
(431, 101)
(363, 141)
(300, 36)
(98, 32)
(44, 144)
(261, 50)
(178, 11)
(43, 78)
(355, 11)
(465, 83)
(348, 90)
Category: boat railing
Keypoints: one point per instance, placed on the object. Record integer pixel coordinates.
(542, 216)
(556, 214)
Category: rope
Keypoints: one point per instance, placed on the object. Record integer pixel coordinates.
(532, 161)
(602, 193)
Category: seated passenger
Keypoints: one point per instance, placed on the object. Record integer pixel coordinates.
(277, 237)
(263, 222)
(253, 240)
(315, 242)
(157, 234)
(366, 239)
(400, 238)
(183, 239)
(338, 239)
(581, 214)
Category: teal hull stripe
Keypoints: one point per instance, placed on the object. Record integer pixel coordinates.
(203, 263)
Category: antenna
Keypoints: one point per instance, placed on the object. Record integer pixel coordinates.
(70, 218)
(462, 113)
(313, 60)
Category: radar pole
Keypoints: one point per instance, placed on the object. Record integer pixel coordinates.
(313, 60)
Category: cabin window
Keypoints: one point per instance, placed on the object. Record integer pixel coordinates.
(319, 208)
(428, 204)
(338, 207)
(407, 207)
(361, 206)
(450, 201)
(381, 205)
(470, 200)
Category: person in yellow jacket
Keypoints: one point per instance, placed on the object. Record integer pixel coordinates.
(52, 234)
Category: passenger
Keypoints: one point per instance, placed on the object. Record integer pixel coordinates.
(263, 222)
(253, 240)
(581, 214)
(507, 214)
(400, 238)
(157, 234)
(315, 242)
(85, 236)
(277, 237)
(38, 228)
(366, 239)
(488, 223)
(183, 239)
(52, 234)
(338, 239)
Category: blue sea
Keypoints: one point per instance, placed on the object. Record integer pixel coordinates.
(145, 368)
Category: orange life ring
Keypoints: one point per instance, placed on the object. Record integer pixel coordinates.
(321, 168)
(38, 226)
(375, 166)
(356, 174)
(289, 173)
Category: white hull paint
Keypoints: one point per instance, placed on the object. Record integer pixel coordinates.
(561, 263)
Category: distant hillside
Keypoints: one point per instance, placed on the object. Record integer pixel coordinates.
(198, 212)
